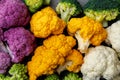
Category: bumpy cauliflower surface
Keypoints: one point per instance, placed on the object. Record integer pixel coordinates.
(5, 62)
(87, 31)
(72, 63)
(100, 61)
(50, 55)
(113, 37)
(13, 13)
(46, 22)
(20, 43)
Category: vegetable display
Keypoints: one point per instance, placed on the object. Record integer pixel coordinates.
(59, 40)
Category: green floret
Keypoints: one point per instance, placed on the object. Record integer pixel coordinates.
(16, 72)
(2, 77)
(33, 5)
(72, 76)
(68, 8)
(52, 77)
(102, 10)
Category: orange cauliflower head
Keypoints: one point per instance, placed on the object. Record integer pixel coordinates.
(50, 55)
(87, 31)
(46, 22)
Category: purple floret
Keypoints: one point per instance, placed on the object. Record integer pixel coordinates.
(5, 62)
(13, 13)
(20, 43)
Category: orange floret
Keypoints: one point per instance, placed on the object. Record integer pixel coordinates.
(77, 60)
(72, 63)
(87, 30)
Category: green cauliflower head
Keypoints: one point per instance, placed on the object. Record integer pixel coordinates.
(52, 77)
(102, 10)
(72, 76)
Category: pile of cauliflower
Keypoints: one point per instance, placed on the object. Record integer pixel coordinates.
(35, 41)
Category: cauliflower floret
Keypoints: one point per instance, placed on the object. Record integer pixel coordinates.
(72, 63)
(113, 37)
(5, 62)
(100, 61)
(87, 31)
(20, 43)
(13, 13)
(46, 22)
(61, 43)
(50, 55)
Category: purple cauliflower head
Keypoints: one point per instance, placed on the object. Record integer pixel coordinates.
(20, 43)
(5, 62)
(13, 13)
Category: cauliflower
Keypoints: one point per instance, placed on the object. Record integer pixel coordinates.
(34, 5)
(16, 72)
(5, 62)
(50, 55)
(20, 43)
(100, 61)
(87, 31)
(68, 8)
(46, 22)
(113, 37)
(102, 10)
(13, 13)
(72, 76)
(73, 62)
(52, 77)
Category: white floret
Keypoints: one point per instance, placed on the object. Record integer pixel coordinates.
(114, 36)
(100, 61)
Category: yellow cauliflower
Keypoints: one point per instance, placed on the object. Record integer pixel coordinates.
(73, 62)
(87, 31)
(50, 55)
(46, 22)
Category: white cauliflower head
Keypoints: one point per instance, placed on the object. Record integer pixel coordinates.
(100, 61)
(113, 37)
